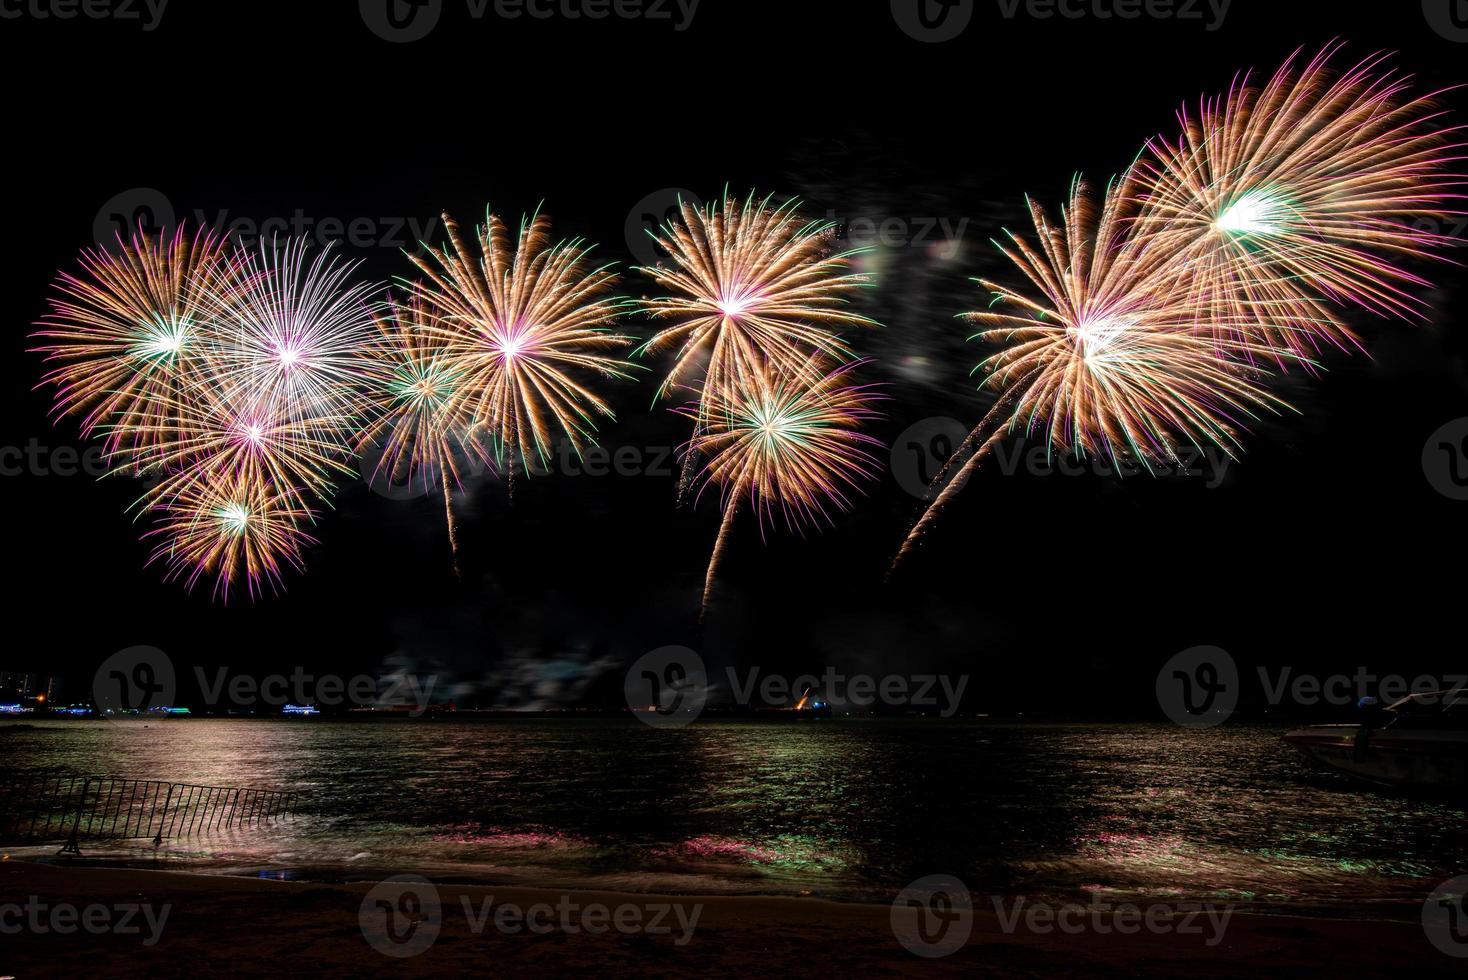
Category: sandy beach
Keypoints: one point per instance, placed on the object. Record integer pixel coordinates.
(215, 925)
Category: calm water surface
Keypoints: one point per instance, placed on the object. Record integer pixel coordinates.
(850, 809)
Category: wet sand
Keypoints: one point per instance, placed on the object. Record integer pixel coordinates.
(219, 926)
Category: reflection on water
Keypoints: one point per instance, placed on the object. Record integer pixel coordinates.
(853, 809)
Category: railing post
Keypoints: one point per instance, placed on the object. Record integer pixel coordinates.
(71, 846)
(158, 840)
(128, 809)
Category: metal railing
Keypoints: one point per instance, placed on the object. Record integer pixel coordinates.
(38, 808)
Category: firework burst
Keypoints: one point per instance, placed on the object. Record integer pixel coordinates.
(127, 335)
(221, 431)
(289, 351)
(236, 382)
(787, 445)
(1104, 357)
(234, 528)
(296, 339)
(753, 287)
(521, 322)
(1310, 187)
(422, 422)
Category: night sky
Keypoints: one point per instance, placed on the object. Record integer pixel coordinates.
(1324, 548)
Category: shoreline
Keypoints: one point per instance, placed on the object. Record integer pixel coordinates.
(253, 926)
(1396, 909)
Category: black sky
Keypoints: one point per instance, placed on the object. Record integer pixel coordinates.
(1324, 546)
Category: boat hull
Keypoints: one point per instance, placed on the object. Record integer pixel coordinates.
(1436, 760)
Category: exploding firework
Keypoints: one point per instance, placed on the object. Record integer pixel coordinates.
(1310, 188)
(234, 528)
(422, 422)
(237, 384)
(289, 361)
(223, 431)
(1104, 358)
(788, 445)
(753, 288)
(127, 335)
(521, 322)
(296, 340)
